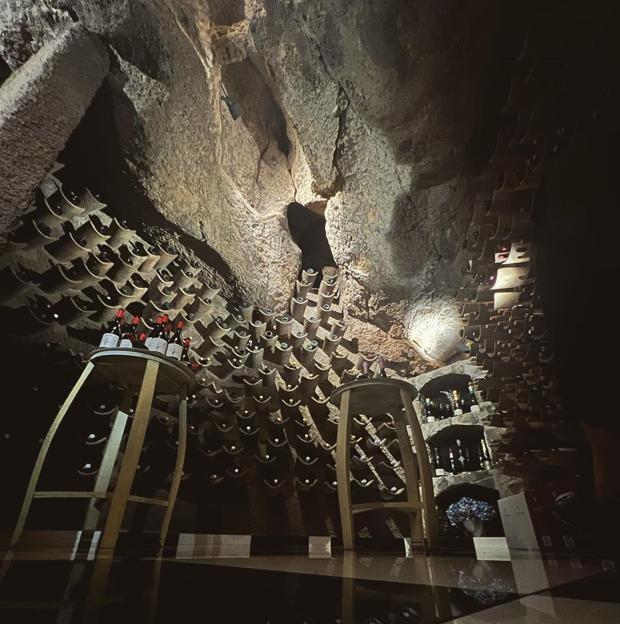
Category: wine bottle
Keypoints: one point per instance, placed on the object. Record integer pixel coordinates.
(430, 410)
(175, 345)
(439, 471)
(472, 394)
(443, 412)
(431, 458)
(141, 344)
(165, 318)
(460, 457)
(456, 407)
(154, 332)
(167, 333)
(130, 335)
(381, 362)
(158, 343)
(485, 457)
(469, 463)
(453, 463)
(111, 338)
(185, 353)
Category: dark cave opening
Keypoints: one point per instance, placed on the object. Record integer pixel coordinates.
(307, 230)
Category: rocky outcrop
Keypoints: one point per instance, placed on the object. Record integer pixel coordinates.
(371, 112)
(40, 104)
(365, 87)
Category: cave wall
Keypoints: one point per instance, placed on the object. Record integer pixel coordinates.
(364, 86)
(343, 107)
(39, 107)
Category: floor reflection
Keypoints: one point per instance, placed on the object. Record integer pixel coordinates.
(265, 590)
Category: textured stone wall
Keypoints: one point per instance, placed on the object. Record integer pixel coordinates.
(364, 86)
(40, 104)
(371, 112)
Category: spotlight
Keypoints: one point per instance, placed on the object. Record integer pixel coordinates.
(233, 107)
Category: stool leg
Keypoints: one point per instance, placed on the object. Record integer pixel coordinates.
(154, 593)
(109, 458)
(342, 472)
(36, 471)
(428, 494)
(347, 610)
(411, 474)
(178, 470)
(96, 589)
(130, 459)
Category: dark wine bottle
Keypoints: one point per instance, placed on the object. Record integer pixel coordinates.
(141, 344)
(154, 332)
(472, 395)
(157, 341)
(130, 335)
(112, 336)
(167, 327)
(439, 470)
(453, 463)
(429, 409)
(431, 460)
(455, 403)
(175, 344)
(185, 353)
(485, 457)
(460, 457)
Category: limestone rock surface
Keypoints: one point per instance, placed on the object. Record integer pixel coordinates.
(369, 111)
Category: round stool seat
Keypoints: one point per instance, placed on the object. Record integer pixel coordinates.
(374, 396)
(125, 368)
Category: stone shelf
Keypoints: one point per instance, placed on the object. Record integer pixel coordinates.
(494, 478)
(475, 476)
(480, 418)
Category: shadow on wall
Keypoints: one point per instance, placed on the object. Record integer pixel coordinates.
(5, 70)
(307, 229)
(97, 160)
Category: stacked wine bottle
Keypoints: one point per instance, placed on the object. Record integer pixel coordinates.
(448, 404)
(460, 457)
(161, 339)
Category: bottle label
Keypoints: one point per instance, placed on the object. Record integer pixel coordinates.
(440, 472)
(109, 341)
(125, 343)
(458, 412)
(430, 419)
(174, 351)
(159, 345)
(147, 342)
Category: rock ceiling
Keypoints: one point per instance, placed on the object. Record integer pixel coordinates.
(374, 113)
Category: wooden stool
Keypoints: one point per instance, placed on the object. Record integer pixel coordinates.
(373, 397)
(140, 372)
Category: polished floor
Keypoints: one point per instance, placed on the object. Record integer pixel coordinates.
(53, 585)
